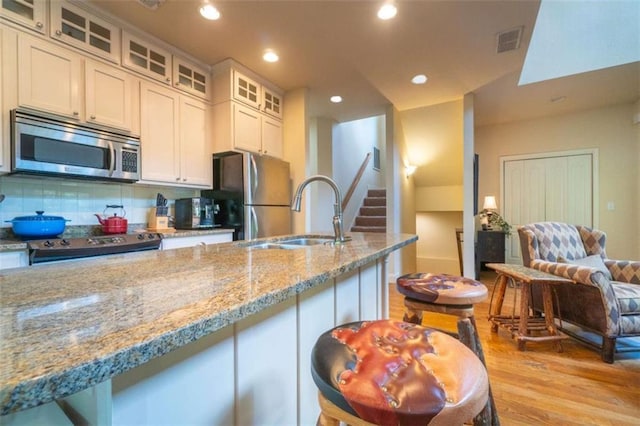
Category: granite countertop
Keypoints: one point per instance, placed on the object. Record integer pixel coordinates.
(68, 326)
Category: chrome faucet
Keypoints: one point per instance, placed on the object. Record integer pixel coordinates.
(337, 207)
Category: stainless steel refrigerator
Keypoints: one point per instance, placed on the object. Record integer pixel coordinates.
(253, 194)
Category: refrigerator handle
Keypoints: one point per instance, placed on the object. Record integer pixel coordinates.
(254, 224)
(253, 182)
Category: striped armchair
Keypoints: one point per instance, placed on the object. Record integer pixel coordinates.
(605, 296)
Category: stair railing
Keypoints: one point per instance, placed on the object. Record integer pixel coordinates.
(356, 181)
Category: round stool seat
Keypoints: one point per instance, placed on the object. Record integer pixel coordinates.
(392, 372)
(441, 289)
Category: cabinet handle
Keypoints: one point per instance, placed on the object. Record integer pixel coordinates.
(168, 80)
(184, 179)
(178, 179)
(39, 24)
(76, 113)
(93, 117)
(58, 33)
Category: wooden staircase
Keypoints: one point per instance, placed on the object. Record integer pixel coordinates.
(373, 213)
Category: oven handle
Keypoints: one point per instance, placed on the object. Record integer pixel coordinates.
(112, 163)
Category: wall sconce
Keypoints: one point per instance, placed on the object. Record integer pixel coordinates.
(409, 170)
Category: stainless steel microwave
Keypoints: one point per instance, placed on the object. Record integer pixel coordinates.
(46, 146)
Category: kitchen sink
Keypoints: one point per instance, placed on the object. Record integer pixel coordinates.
(293, 243)
(306, 241)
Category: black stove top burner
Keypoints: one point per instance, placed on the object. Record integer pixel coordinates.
(54, 249)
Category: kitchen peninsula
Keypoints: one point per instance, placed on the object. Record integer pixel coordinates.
(214, 334)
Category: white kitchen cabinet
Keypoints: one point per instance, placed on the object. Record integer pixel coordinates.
(238, 127)
(79, 28)
(195, 240)
(111, 96)
(49, 77)
(175, 141)
(190, 78)
(14, 259)
(247, 112)
(141, 56)
(246, 90)
(28, 13)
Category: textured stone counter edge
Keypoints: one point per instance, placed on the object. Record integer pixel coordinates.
(35, 392)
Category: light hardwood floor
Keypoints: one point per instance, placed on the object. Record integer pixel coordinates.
(541, 386)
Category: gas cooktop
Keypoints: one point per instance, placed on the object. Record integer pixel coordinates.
(54, 249)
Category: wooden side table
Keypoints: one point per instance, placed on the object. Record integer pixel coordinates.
(522, 325)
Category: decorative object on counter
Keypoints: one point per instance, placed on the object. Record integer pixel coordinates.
(490, 219)
(113, 224)
(38, 226)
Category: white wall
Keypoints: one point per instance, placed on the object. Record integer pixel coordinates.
(352, 141)
(437, 249)
(610, 130)
(296, 146)
(79, 200)
(401, 208)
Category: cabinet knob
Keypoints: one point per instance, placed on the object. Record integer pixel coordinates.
(58, 33)
(93, 117)
(184, 179)
(76, 113)
(39, 24)
(168, 80)
(178, 179)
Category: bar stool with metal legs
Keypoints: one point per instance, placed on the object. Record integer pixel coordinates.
(450, 295)
(388, 372)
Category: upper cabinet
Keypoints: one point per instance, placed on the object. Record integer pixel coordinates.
(28, 13)
(77, 27)
(158, 63)
(176, 147)
(141, 56)
(190, 78)
(232, 83)
(50, 78)
(247, 113)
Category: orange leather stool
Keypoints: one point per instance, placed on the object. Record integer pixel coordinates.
(388, 372)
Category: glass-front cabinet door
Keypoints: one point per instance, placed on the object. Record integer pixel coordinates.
(143, 57)
(190, 78)
(29, 13)
(77, 27)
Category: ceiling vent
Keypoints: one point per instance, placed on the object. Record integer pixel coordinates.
(151, 4)
(509, 40)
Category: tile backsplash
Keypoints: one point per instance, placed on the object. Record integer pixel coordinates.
(79, 200)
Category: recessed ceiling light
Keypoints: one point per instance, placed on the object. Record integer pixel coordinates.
(209, 11)
(387, 11)
(419, 79)
(336, 99)
(270, 56)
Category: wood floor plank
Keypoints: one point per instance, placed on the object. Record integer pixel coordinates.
(541, 386)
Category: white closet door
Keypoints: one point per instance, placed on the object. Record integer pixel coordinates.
(546, 188)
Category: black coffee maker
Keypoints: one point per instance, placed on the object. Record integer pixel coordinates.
(230, 215)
